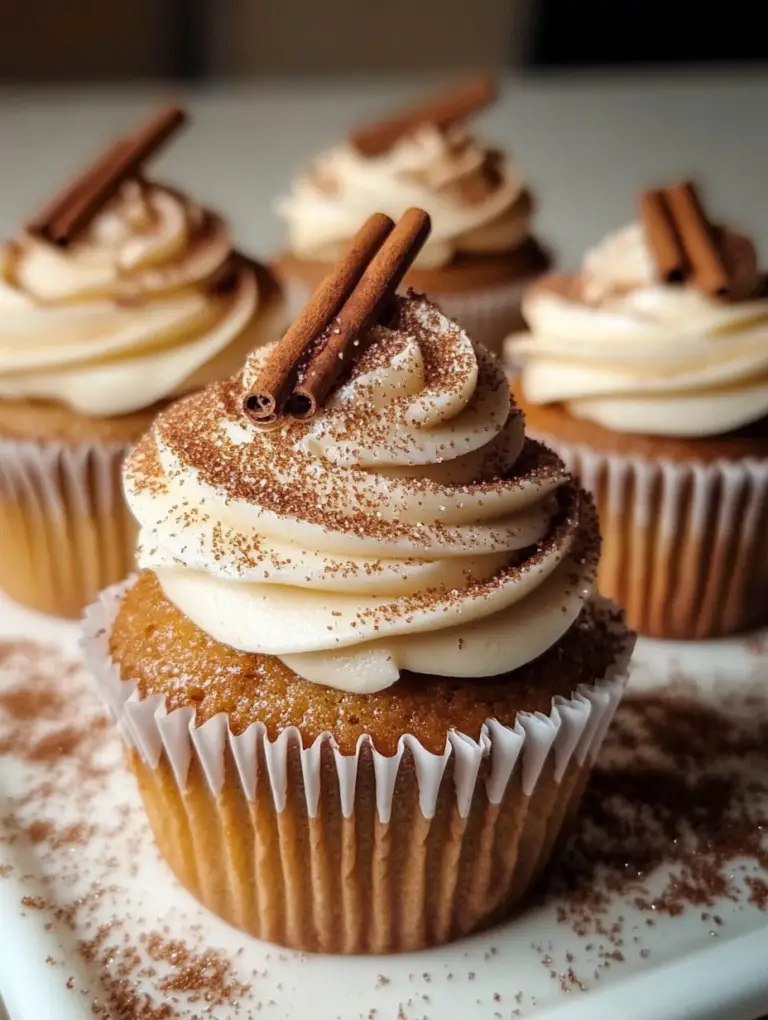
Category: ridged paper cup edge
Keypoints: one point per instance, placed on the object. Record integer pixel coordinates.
(573, 730)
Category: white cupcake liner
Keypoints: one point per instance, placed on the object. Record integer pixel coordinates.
(685, 543)
(33, 471)
(571, 734)
(61, 507)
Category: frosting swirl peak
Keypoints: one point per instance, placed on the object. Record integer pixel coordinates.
(623, 348)
(145, 304)
(409, 526)
(477, 201)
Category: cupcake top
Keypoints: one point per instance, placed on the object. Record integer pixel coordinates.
(664, 331)
(408, 526)
(142, 301)
(427, 157)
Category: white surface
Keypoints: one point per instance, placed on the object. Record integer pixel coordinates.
(689, 972)
(586, 143)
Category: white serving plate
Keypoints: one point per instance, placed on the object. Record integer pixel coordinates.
(677, 969)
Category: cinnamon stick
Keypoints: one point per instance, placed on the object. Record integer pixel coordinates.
(76, 205)
(350, 336)
(450, 107)
(268, 397)
(663, 237)
(106, 181)
(708, 270)
(53, 210)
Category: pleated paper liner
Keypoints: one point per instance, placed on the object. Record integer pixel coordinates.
(685, 544)
(360, 853)
(65, 532)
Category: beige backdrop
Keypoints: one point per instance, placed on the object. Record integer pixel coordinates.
(52, 40)
(337, 35)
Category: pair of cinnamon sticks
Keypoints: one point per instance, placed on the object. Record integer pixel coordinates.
(62, 219)
(333, 330)
(684, 242)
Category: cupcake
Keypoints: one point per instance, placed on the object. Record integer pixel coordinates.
(481, 251)
(362, 674)
(121, 295)
(648, 373)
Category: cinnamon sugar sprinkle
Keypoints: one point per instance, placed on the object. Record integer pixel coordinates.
(673, 823)
(53, 728)
(273, 473)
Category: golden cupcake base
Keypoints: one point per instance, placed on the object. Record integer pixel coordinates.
(61, 543)
(335, 822)
(65, 532)
(684, 523)
(697, 567)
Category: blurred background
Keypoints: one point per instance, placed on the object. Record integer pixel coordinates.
(599, 97)
(93, 40)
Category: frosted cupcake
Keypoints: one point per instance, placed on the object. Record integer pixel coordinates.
(142, 300)
(481, 251)
(648, 373)
(363, 674)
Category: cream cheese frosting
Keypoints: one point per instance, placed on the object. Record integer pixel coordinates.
(619, 346)
(476, 199)
(409, 526)
(149, 303)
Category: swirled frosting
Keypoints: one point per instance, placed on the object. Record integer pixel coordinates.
(409, 526)
(619, 346)
(477, 200)
(149, 302)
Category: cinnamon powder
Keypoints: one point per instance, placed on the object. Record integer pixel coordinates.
(59, 739)
(681, 785)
